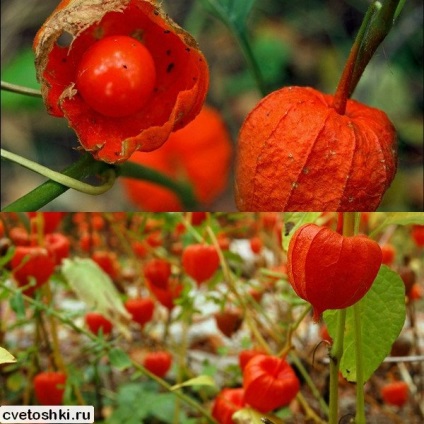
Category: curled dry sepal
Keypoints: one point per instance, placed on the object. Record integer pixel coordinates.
(331, 271)
(181, 75)
(296, 152)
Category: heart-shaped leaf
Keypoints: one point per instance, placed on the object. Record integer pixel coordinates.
(382, 317)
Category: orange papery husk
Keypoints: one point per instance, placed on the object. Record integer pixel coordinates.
(296, 153)
(331, 271)
(182, 75)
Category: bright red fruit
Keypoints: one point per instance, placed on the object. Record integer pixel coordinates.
(19, 236)
(200, 261)
(31, 261)
(331, 271)
(388, 252)
(166, 297)
(256, 244)
(116, 76)
(227, 402)
(158, 363)
(246, 355)
(229, 321)
(417, 234)
(296, 152)
(108, 262)
(58, 245)
(395, 393)
(158, 271)
(96, 322)
(51, 220)
(49, 387)
(269, 383)
(141, 309)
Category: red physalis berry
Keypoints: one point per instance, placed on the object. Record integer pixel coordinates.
(51, 220)
(269, 383)
(395, 393)
(31, 262)
(296, 152)
(158, 271)
(128, 78)
(227, 403)
(19, 236)
(417, 234)
(49, 387)
(416, 292)
(200, 261)
(58, 245)
(166, 297)
(158, 363)
(141, 309)
(246, 355)
(116, 76)
(229, 320)
(97, 322)
(256, 244)
(108, 262)
(331, 271)
(388, 252)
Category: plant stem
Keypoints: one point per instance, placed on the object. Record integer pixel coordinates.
(360, 396)
(376, 25)
(183, 191)
(246, 48)
(344, 89)
(50, 190)
(336, 353)
(62, 178)
(298, 364)
(14, 88)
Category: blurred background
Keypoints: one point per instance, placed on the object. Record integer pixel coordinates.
(295, 43)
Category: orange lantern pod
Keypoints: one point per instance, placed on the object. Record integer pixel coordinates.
(296, 152)
(199, 153)
(129, 77)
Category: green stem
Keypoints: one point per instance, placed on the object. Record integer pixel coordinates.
(62, 178)
(336, 353)
(19, 89)
(246, 48)
(183, 191)
(360, 396)
(374, 28)
(344, 89)
(305, 374)
(50, 190)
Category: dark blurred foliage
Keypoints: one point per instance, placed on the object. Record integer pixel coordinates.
(295, 43)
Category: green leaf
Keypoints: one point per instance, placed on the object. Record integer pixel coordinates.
(382, 318)
(294, 221)
(398, 218)
(119, 359)
(201, 380)
(94, 287)
(6, 357)
(18, 305)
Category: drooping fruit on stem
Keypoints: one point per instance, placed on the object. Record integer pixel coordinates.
(331, 271)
